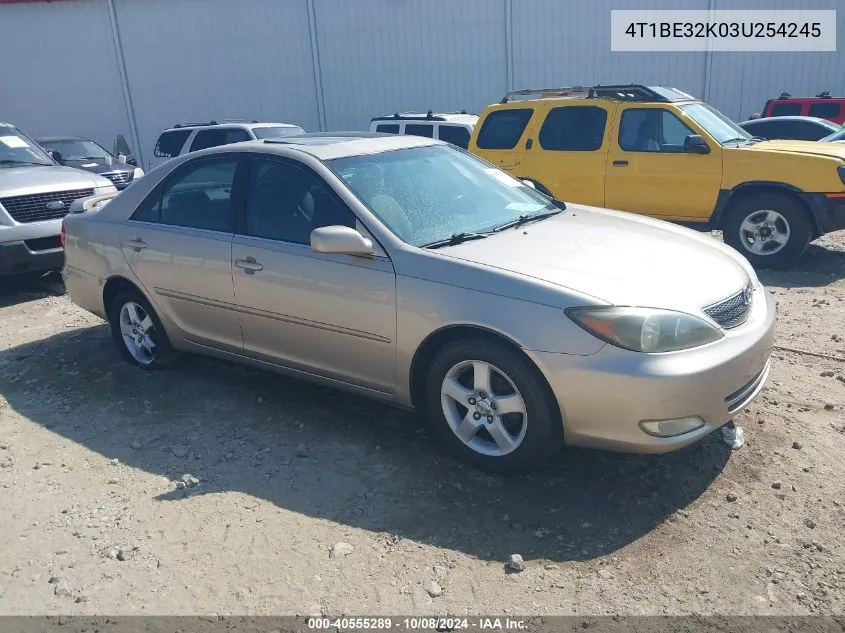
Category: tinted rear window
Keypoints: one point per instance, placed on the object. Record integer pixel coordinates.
(388, 128)
(454, 134)
(170, 143)
(416, 129)
(786, 109)
(215, 137)
(573, 128)
(502, 129)
(825, 110)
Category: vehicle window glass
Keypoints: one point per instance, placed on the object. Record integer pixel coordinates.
(765, 129)
(502, 129)
(286, 203)
(455, 134)
(805, 131)
(786, 109)
(388, 128)
(425, 194)
(573, 129)
(199, 196)
(417, 129)
(825, 110)
(171, 143)
(150, 209)
(275, 132)
(16, 149)
(218, 136)
(715, 123)
(78, 149)
(642, 130)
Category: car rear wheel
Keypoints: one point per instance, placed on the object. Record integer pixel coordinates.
(138, 333)
(491, 407)
(770, 230)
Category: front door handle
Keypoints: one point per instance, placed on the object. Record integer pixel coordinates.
(620, 163)
(137, 244)
(249, 265)
(510, 165)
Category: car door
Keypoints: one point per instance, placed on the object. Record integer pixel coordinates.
(179, 245)
(326, 314)
(502, 136)
(649, 172)
(569, 155)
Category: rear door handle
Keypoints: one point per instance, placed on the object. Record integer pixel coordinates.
(249, 265)
(620, 163)
(137, 244)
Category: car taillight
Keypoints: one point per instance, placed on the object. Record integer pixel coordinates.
(63, 235)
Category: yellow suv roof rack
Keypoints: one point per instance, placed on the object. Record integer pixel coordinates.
(629, 92)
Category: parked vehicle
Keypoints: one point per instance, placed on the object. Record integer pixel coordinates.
(796, 128)
(822, 105)
(452, 127)
(660, 152)
(35, 194)
(836, 137)
(83, 153)
(190, 137)
(408, 270)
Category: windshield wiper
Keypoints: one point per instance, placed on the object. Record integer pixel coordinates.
(737, 139)
(8, 161)
(526, 218)
(457, 238)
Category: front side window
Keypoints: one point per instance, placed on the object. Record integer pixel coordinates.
(170, 143)
(388, 128)
(786, 109)
(651, 130)
(276, 132)
(285, 202)
(418, 129)
(17, 149)
(502, 129)
(427, 194)
(197, 196)
(573, 129)
(454, 134)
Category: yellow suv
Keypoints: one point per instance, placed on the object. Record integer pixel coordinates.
(660, 152)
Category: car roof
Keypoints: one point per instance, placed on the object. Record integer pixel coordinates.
(53, 139)
(432, 117)
(330, 145)
(795, 117)
(215, 124)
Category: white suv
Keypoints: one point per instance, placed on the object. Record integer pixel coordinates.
(452, 127)
(190, 137)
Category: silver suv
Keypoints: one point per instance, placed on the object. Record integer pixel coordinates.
(35, 194)
(190, 137)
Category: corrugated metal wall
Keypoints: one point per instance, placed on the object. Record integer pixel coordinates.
(333, 64)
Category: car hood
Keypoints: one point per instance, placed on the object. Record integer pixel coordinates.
(616, 258)
(98, 166)
(815, 148)
(18, 181)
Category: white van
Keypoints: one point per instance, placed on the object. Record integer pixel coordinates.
(452, 127)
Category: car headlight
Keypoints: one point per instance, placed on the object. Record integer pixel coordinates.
(137, 173)
(646, 330)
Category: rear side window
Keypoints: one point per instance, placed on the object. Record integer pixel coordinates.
(502, 129)
(388, 128)
(417, 129)
(218, 136)
(825, 110)
(573, 129)
(171, 143)
(454, 134)
(786, 109)
(806, 131)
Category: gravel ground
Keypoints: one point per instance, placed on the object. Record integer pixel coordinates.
(212, 488)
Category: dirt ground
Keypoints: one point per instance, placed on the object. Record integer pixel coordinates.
(312, 501)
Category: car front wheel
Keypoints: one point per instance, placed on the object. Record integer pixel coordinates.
(770, 230)
(491, 407)
(138, 333)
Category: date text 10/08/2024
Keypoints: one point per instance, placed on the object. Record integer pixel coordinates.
(417, 624)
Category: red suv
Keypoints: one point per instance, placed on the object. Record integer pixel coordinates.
(822, 106)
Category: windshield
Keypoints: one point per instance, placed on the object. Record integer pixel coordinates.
(427, 194)
(715, 123)
(836, 136)
(16, 149)
(277, 132)
(77, 149)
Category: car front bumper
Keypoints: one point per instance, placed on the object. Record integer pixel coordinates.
(31, 256)
(604, 397)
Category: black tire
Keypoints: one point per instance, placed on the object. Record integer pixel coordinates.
(793, 212)
(165, 355)
(543, 426)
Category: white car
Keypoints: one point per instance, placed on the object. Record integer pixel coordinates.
(452, 127)
(191, 137)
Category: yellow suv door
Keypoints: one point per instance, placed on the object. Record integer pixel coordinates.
(501, 136)
(569, 155)
(662, 164)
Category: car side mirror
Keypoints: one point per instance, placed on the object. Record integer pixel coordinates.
(131, 160)
(56, 156)
(341, 240)
(694, 144)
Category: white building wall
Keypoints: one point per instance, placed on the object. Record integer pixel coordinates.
(333, 64)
